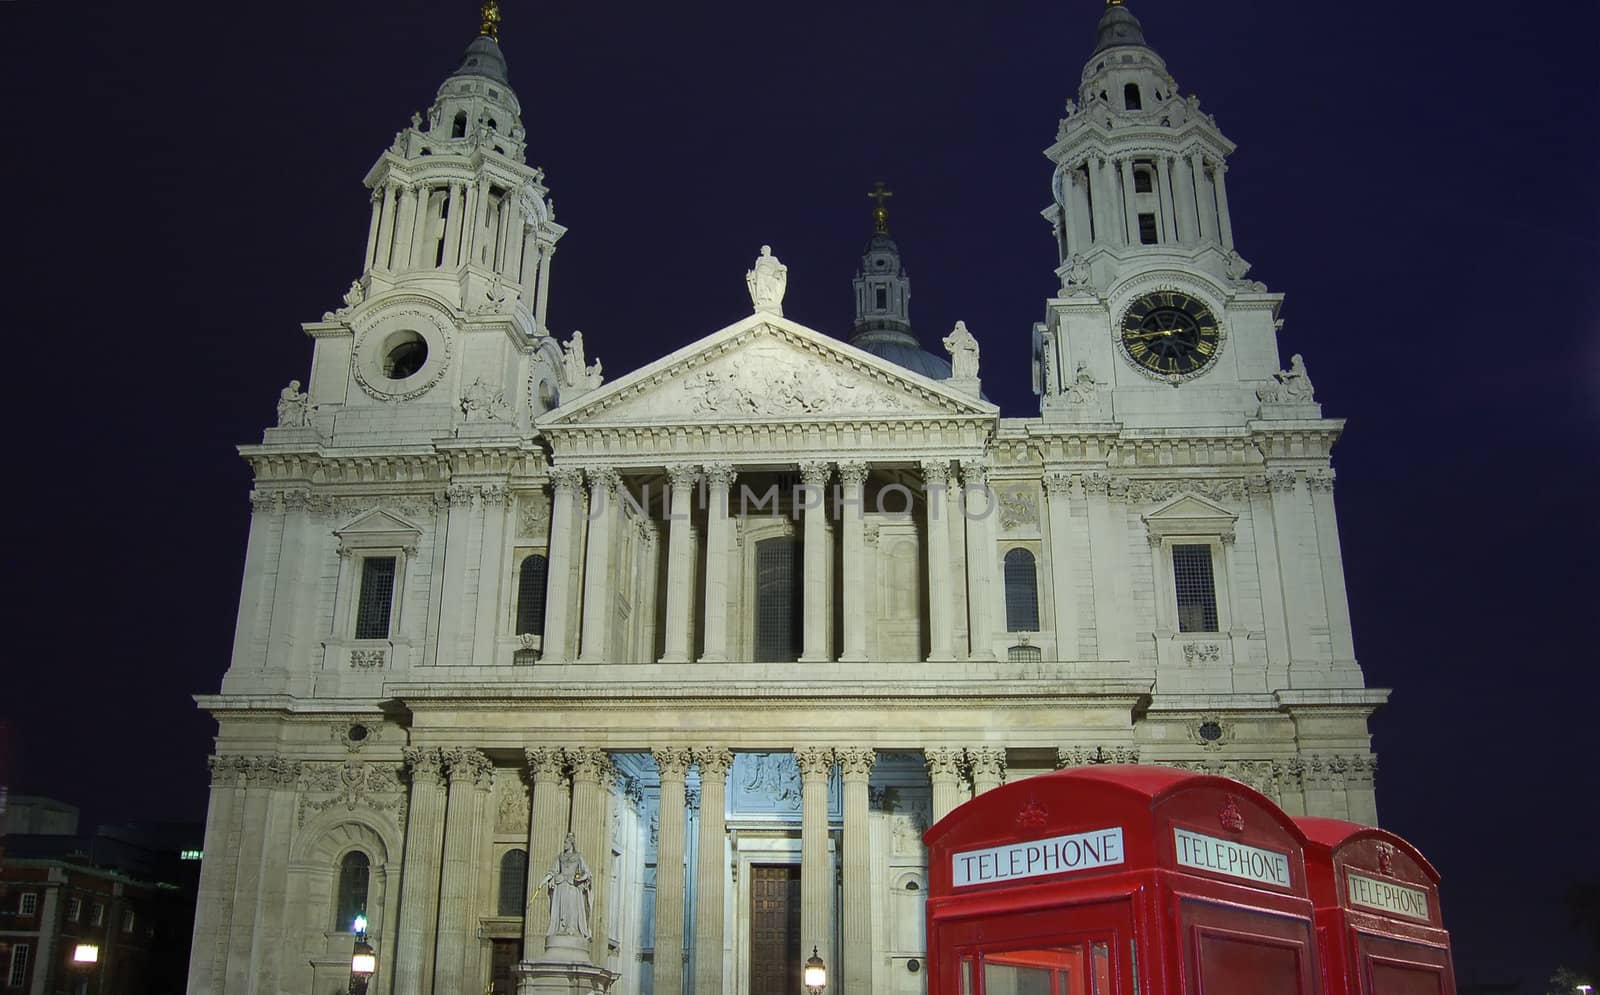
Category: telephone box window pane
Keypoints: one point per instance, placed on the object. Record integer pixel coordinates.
(1247, 966)
(778, 620)
(377, 597)
(1196, 588)
(1051, 971)
(966, 976)
(530, 595)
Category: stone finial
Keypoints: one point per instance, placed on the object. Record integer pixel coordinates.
(767, 282)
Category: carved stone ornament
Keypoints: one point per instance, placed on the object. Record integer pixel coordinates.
(1231, 817)
(1282, 480)
(782, 384)
(857, 763)
(673, 761)
(714, 761)
(943, 763)
(963, 350)
(366, 659)
(815, 762)
(1018, 507)
(767, 282)
(1032, 815)
(1085, 756)
(468, 766)
(578, 376)
(1291, 386)
(1084, 389)
(1079, 278)
(294, 407)
(481, 402)
(353, 784)
(988, 762)
(774, 777)
(533, 516)
(404, 314)
(1202, 653)
(1210, 732)
(511, 805)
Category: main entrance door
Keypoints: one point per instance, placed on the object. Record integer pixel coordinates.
(775, 929)
(502, 966)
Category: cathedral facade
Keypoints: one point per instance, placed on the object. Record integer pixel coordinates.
(746, 621)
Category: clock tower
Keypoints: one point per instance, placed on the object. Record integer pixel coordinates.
(1155, 324)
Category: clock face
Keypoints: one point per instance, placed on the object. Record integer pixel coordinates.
(1170, 333)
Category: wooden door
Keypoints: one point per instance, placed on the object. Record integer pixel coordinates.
(775, 929)
(502, 976)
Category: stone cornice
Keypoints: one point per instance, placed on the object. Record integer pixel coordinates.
(886, 439)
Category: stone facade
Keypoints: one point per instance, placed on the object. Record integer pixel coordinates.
(774, 599)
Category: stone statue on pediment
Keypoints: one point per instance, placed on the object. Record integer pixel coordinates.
(1291, 386)
(963, 349)
(578, 375)
(767, 282)
(294, 408)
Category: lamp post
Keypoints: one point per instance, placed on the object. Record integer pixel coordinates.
(815, 975)
(363, 959)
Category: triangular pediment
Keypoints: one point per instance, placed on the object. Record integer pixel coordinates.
(376, 523)
(765, 368)
(1190, 514)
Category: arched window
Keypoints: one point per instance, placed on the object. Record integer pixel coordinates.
(1022, 592)
(513, 883)
(1130, 97)
(530, 594)
(779, 626)
(354, 870)
(458, 127)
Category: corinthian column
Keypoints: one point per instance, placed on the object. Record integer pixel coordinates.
(815, 648)
(816, 873)
(944, 773)
(598, 609)
(547, 819)
(988, 768)
(856, 766)
(712, 869)
(565, 523)
(983, 594)
(936, 482)
(591, 778)
(853, 515)
(471, 775)
(680, 564)
(672, 762)
(419, 874)
(719, 547)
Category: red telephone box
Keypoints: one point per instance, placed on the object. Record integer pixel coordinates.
(1378, 921)
(1119, 880)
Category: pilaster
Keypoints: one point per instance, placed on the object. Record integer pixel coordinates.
(816, 871)
(936, 485)
(984, 597)
(604, 482)
(1064, 555)
(711, 871)
(719, 553)
(680, 563)
(419, 875)
(853, 521)
(816, 604)
(492, 571)
(672, 762)
(565, 521)
(470, 774)
(856, 767)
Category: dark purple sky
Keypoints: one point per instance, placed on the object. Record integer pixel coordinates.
(183, 188)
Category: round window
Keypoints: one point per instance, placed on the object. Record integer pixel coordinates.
(1210, 731)
(404, 353)
(357, 733)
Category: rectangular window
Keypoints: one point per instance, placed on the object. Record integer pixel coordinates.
(98, 916)
(28, 904)
(1196, 588)
(376, 598)
(882, 299)
(1147, 229)
(779, 582)
(74, 909)
(127, 921)
(18, 975)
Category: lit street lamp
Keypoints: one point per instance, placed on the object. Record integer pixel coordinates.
(815, 975)
(363, 959)
(85, 954)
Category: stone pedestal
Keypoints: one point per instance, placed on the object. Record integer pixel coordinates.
(553, 975)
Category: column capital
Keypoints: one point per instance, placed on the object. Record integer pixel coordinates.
(987, 762)
(545, 764)
(1058, 483)
(1320, 480)
(853, 473)
(944, 763)
(720, 474)
(602, 478)
(936, 472)
(673, 761)
(426, 766)
(856, 763)
(975, 472)
(468, 766)
(815, 473)
(814, 762)
(588, 764)
(683, 475)
(714, 761)
(1282, 480)
(566, 478)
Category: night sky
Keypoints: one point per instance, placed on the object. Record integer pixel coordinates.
(183, 188)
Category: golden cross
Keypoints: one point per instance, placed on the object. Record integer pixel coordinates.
(490, 28)
(880, 213)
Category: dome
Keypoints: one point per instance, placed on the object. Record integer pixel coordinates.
(1118, 26)
(901, 349)
(483, 58)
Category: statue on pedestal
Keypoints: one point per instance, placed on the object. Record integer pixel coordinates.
(963, 349)
(767, 282)
(569, 883)
(294, 408)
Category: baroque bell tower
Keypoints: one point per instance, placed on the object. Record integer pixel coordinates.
(1154, 324)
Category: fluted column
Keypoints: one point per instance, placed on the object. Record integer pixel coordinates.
(1224, 220)
(386, 228)
(528, 272)
(591, 781)
(1064, 559)
(564, 522)
(856, 767)
(719, 550)
(491, 574)
(547, 257)
(816, 872)
(712, 869)
(941, 620)
(1205, 200)
(984, 595)
(598, 606)
(988, 768)
(470, 775)
(405, 218)
(816, 603)
(1183, 191)
(454, 635)
(1116, 220)
(672, 762)
(372, 229)
(1130, 206)
(853, 520)
(547, 822)
(418, 254)
(680, 563)
(455, 223)
(944, 773)
(419, 874)
(1169, 226)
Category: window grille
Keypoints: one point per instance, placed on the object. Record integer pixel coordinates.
(377, 597)
(354, 870)
(98, 916)
(1022, 592)
(74, 909)
(1024, 654)
(19, 965)
(1196, 588)
(28, 904)
(534, 573)
(779, 625)
(513, 883)
(127, 921)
